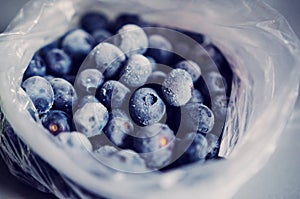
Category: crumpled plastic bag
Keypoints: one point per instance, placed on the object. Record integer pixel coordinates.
(257, 41)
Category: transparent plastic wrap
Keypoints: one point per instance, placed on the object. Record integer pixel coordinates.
(262, 50)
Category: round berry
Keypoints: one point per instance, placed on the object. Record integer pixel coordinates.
(40, 92)
(155, 143)
(91, 119)
(112, 94)
(58, 62)
(215, 82)
(160, 48)
(137, 71)
(56, 122)
(191, 67)
(146, 107)
(198, 117)
(108, 58)
(177, 87)
(89, 80)
(65, 96)
(93, 21)
(132, 40)
(36, 67)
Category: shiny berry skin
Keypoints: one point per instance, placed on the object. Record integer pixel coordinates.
(177, 87)
(112, 94)
(91, 119)
(65, 96)
(56, 122)
(58, 62)
(155, 144)
(40, 92)
(146, 107)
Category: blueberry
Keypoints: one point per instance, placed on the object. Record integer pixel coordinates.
(91, 119)
(55, 44)
(58, 62)
(89, 80)
(76, 140)
(177, 87)
(215, 54)
(40, 92)
(93, 21)
(146, 107)
(197, 97)
(112, 94)
(108, 58)
(77, 44)
(213, 146)
(56, 122)
(198, 117)
(191, 67)
(220, 106)
(118, 128)
(65, 96)
(215, 83)
(194, 146)
(155, 143)
(101, 35)
(36, 67)
(136, 71)
(87, 99)
(132, 39)
(160, 49)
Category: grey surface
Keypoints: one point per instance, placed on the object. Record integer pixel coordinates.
(279, 179)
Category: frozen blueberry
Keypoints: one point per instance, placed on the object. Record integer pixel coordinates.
(132, 39)
(76, 140)
(58, 62)
(160, 49)
(191, 67)
(55, 44)
(177, 87)
(198, 117)
(215, 83)
(91, 119)
(220, 106)
(194, 146)
(215, 54)
(212, 146)
(87, 99)
(112, 94)
(197, 97)
(89, 80)
(136, 71)
(101, 35)
(65, 96)
(40, 92)
(56, 122)
(118, 128)
(77, 44)
(36, 67)
(108, 58)
(146, 107)
(93, 21)
(155, 143)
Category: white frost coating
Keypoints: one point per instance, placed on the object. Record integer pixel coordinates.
(108, 58)
(75, 140)
(132, 40)
(91, 119)
(256, 55)
(177, 87)
(193, 68)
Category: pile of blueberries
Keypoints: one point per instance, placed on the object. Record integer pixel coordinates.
(113, 96)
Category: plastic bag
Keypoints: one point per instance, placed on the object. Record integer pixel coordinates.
(257, 41)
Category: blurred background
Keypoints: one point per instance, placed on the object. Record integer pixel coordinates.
(279, 179)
